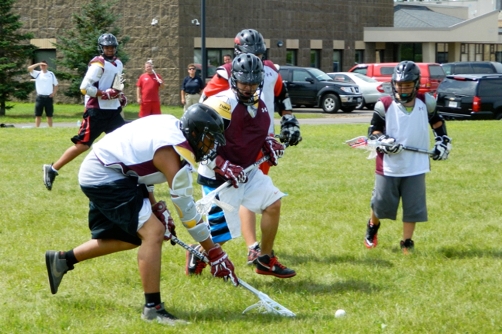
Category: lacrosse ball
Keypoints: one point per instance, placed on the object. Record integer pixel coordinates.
(340, 313)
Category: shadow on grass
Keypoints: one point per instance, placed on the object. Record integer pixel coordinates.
(455, 253)
(333, 259)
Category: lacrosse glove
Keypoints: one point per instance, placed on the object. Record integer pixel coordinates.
(229, 171)
(110, 94)
(386, 144)
(122, 100)
(273, 149)
(221, 266)
(290, 130)
(442, 148)
(160, 211)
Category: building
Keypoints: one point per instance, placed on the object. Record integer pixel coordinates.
(327, 34)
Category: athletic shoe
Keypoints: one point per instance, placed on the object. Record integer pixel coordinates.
(407, 246)
(56, 268)
(49, 176)
(194, 266)
(160, 314)
(253, 252)
(266, 265)
(371, 238)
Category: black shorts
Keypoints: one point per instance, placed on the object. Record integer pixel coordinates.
(114, 209)
(44, 102)
(97, 121)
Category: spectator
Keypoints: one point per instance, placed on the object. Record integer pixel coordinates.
(46, 86)
(227, 59)
(102, 86)
(191, 87)
(147, 91)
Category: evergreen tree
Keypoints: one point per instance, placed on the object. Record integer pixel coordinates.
(79, 44)
(15, 52)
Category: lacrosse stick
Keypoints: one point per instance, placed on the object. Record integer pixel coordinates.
(362, 142)
(156, 76)
(265, 305)
(204, 205)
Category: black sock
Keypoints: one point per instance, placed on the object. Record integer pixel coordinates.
(152, 299)
(70, 258)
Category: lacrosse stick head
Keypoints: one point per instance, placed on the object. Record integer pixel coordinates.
(270, 307)
(205, 204)
(363, 143)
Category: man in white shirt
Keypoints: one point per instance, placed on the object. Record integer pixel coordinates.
(46, 86)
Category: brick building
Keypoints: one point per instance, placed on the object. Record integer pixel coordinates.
(327, 34)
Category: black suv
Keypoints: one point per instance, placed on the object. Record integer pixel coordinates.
(472, 67)
(312, 87)
(470, 96)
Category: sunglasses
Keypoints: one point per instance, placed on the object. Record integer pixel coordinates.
(191, 69)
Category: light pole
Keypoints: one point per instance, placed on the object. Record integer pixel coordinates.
(203, 38)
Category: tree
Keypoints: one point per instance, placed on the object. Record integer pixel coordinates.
(80, 42)
(15, 51)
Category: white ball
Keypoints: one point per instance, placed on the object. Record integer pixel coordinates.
(340, 313)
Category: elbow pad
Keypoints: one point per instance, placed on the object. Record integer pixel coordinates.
(181, 195)
(87, 87)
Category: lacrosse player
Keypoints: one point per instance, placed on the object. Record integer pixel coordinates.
(122, 214)
(102, 87)
(403, 120)
(276, 98)
(247, 134)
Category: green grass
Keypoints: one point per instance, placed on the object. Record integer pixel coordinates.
(450, 284)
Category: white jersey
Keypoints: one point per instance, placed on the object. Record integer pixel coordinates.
(409, 129)
(102, 73)
(129, 150)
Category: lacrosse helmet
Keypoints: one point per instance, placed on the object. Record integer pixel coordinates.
(107, 40)
(406, 71)
(249, 41)
(247, 69)
(198, 123)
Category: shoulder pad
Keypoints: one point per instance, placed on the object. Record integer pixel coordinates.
(98, 60)
(224, 71)
(270, 64)
(223, 108)
(185, 151)
(430, 102)
(380, 108)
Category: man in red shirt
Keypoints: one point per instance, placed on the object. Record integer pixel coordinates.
(147, 91)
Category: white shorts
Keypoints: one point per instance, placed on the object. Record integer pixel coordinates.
(256, 195)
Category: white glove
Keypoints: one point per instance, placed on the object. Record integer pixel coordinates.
(442, 148)
(386, 144)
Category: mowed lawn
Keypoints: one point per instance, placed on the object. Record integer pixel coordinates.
(450, 284)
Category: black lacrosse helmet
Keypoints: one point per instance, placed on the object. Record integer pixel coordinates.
(107, 40)
(406, 71)
(247, 69)
(199, 121)
(249, 41)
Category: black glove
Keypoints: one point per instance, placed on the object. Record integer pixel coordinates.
(442, 148)
(290, 130)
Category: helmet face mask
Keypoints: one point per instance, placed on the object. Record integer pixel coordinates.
(107, 40)
(249, 41)
(203, 128)
(405, 72)
(247, 70)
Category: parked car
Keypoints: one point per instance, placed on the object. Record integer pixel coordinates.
(470, 96)
(370, 88)
(312, 87)
(211, 70)
(472, 67)
(431, 74)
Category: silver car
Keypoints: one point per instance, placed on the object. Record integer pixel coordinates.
(371, 89)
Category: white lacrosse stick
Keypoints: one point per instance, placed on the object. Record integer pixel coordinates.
(204, 205)
(364, 143)
(265, 305)
(156, 76)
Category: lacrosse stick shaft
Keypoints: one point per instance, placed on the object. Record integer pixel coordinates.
(364, 142)
(263, 297)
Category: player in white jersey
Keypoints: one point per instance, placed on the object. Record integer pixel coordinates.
(123, 214)
(276, 98)
(102, 87)
(398, 121)
(246, 133)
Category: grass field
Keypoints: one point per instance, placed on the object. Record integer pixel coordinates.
(450, 284)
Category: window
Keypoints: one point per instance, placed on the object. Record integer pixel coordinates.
(291, 57)
(49, 55)
(441, 53)
(359, 56)
(489, 87)
(315, 58)
(410, 51)
(337, 60)
(214, 59)
(301, 75)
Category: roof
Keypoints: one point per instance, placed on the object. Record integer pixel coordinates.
(408, 16)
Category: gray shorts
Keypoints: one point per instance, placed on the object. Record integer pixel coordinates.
(387, 192)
